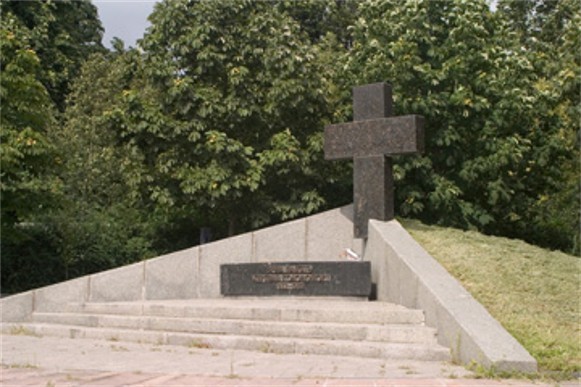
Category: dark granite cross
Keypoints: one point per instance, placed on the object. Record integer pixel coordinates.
(370, 139)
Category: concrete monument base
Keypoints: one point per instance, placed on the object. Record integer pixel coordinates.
(403, 272)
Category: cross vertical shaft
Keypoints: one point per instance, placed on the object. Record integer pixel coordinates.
(372, 191)
(372, 175)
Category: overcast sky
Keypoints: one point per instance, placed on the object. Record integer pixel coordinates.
(125, 19)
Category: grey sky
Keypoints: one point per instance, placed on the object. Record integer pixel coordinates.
(125, 19)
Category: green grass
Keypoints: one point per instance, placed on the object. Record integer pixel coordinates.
(20, 365)
(196, 343)
(534, 293)
(22, 331)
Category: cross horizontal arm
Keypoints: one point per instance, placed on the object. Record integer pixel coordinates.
(382, 136)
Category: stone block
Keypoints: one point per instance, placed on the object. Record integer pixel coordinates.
(121, 284)
(329, 234)
(372, 101)
(236, 249)
(172, 276)
(283, 242)
(17, 308)
(56, 298)
(372, 191)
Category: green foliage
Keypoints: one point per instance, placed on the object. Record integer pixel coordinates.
(97, 224)
(71, 242)
(550, 31)
(494, 145)
(100, 223)
(30, 260)
(26, 154)
(94, 167)
(63, 34)
(318, 18)
(227, 117)
(43, 44)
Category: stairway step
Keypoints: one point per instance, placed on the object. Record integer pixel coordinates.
(265, 344)
(261, 309)
(331, 331)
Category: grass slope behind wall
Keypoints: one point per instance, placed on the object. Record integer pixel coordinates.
(534, 293)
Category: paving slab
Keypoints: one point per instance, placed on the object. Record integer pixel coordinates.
(51, 361)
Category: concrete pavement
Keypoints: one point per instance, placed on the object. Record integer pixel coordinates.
(50, 361)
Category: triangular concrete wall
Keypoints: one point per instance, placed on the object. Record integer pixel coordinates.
(195, 272)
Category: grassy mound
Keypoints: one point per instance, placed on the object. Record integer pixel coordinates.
(534, 293)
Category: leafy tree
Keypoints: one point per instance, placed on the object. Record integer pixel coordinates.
(492, 148)
(550, 31)
(228, 116)
(97, 223)
(63, 34)
(101, 224)
(321, 17)
(27, 116)
(43, 44)
(26, 154)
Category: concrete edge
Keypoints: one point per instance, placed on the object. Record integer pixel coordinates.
(406, 274)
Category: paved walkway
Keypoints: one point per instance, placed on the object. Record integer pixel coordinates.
(51, 362)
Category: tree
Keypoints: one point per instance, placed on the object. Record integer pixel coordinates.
(100, 224)
(550, 31)
(63, 34)
(317, 18)
(492, 150)
(27, 116)
(228, 115)
(43, 45)
(26, 154)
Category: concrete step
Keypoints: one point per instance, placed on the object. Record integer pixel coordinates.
(393, 333)
(279, 325)
(281, 345)
(356, 312)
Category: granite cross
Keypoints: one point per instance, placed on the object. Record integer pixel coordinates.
(370, 139)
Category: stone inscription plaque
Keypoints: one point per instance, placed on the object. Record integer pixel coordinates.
(329, 278)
